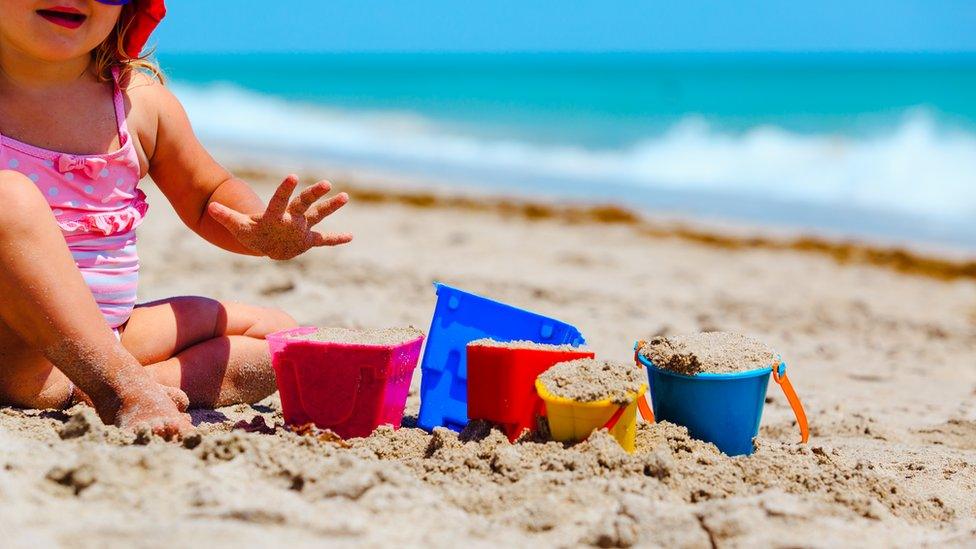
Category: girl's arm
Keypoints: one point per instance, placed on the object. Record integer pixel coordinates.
(219, 207)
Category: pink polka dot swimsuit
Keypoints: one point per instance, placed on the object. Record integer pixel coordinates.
(98, 206)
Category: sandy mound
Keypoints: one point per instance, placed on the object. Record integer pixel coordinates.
(259, 483)
(589, 380)
(381, 337)
(709, 352)
(530, 345)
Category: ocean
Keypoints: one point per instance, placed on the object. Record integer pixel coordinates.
(879, 146)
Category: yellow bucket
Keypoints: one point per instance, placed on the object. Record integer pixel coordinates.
(572, 421)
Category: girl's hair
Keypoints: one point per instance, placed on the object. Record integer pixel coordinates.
(111, 53)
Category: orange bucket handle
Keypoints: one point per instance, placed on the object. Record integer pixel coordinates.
(779, 376)
(611, 423)
(645, 409)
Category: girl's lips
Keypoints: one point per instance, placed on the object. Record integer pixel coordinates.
(69, 18)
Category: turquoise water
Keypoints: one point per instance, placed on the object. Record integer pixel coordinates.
(888, 143)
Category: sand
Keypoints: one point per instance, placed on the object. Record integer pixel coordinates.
(885, 364)
(383, 337)
(590, 380)
(529, 345)
(709, 352)
(232, 486)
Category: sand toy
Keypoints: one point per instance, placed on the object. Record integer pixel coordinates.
(501, 381)
(723, 407)
(574, 417)
(349, 381)
(459, 318)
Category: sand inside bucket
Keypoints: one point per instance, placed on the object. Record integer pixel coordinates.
(523, 344)
(589, 380)
(384, 337)
(709, 352)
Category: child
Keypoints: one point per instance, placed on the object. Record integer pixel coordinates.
(70, 161)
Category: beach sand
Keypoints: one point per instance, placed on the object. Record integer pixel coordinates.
(708, 352)
(591, 380)
(884, 361)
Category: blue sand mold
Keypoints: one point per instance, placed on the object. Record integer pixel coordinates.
(459, 318)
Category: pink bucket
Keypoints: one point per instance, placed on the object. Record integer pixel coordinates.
(350, 389)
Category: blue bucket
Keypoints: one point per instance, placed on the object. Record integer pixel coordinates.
(460, 318)
(724, 409)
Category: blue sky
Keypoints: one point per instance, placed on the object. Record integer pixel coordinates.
(568, 25)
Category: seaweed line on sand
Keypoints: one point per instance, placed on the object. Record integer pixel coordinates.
(897, 259)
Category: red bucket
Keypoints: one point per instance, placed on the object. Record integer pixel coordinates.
(501, 382)
(348, 388)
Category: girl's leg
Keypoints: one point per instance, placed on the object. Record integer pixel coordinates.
(48, 318)
(213, 351)
(27, 379)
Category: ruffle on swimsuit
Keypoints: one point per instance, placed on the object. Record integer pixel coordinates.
(81, 207)
(108, 223)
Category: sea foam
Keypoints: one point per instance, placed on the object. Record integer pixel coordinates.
(917, 168)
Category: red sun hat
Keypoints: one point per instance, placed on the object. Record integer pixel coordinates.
(142, 22)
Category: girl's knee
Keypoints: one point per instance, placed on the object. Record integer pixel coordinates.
(56, 394)
(11, 177)
(16, 186)
(21, 201)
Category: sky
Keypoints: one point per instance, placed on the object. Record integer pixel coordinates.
(567, 25)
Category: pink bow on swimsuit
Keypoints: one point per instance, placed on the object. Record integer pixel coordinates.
(91, 166)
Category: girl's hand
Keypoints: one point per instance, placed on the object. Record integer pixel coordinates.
(146, 404)
(161, 411)
(284, 230)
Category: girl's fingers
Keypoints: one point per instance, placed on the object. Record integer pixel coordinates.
(232, 220)
(308, 197)
(178, 397)
(317, 239)
(320, 211)
(279, 202)
(163, 428)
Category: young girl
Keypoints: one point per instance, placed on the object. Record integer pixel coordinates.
(82, 119)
